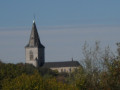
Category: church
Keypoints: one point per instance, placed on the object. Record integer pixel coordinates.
(35, 55)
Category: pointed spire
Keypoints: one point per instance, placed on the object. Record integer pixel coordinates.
(34, 38)
(33, 21)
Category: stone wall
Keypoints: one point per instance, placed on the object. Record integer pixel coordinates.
(64, 69)
(35, 55)
(41, 56)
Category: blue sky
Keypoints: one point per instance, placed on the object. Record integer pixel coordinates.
(63, 25)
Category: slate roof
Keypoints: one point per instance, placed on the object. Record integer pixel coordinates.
(61, 64)
(34, 38)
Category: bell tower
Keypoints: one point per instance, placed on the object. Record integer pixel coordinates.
(34, 50)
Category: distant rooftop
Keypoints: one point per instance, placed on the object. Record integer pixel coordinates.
(61, 64)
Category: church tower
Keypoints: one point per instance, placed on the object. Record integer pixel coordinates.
(34, 50)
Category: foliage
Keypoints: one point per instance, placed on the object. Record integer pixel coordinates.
(101, 71)
(34, 82)
(25, 76)
(46, 71)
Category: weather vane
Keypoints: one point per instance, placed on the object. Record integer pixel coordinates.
(33, 17)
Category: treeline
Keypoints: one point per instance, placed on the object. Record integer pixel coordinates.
(100, 71)
(26, 77)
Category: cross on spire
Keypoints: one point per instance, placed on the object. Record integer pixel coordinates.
(34, 18)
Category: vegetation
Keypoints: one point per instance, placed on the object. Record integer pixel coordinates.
(101, 71)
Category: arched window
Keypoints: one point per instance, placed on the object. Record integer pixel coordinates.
(31, 55)
(64, 70)
(70, 69)
(61, 70)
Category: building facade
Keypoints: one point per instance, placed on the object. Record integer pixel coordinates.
(64, 66)
(34, 50)
(35, 55)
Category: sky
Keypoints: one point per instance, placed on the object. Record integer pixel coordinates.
(63, 26)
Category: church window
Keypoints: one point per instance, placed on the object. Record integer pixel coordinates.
(32, 37)
(31, 55)
(61, 70)
(64, 70)
(70, 69)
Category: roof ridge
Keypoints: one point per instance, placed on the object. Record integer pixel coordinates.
(62, 61)
(61, 64)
